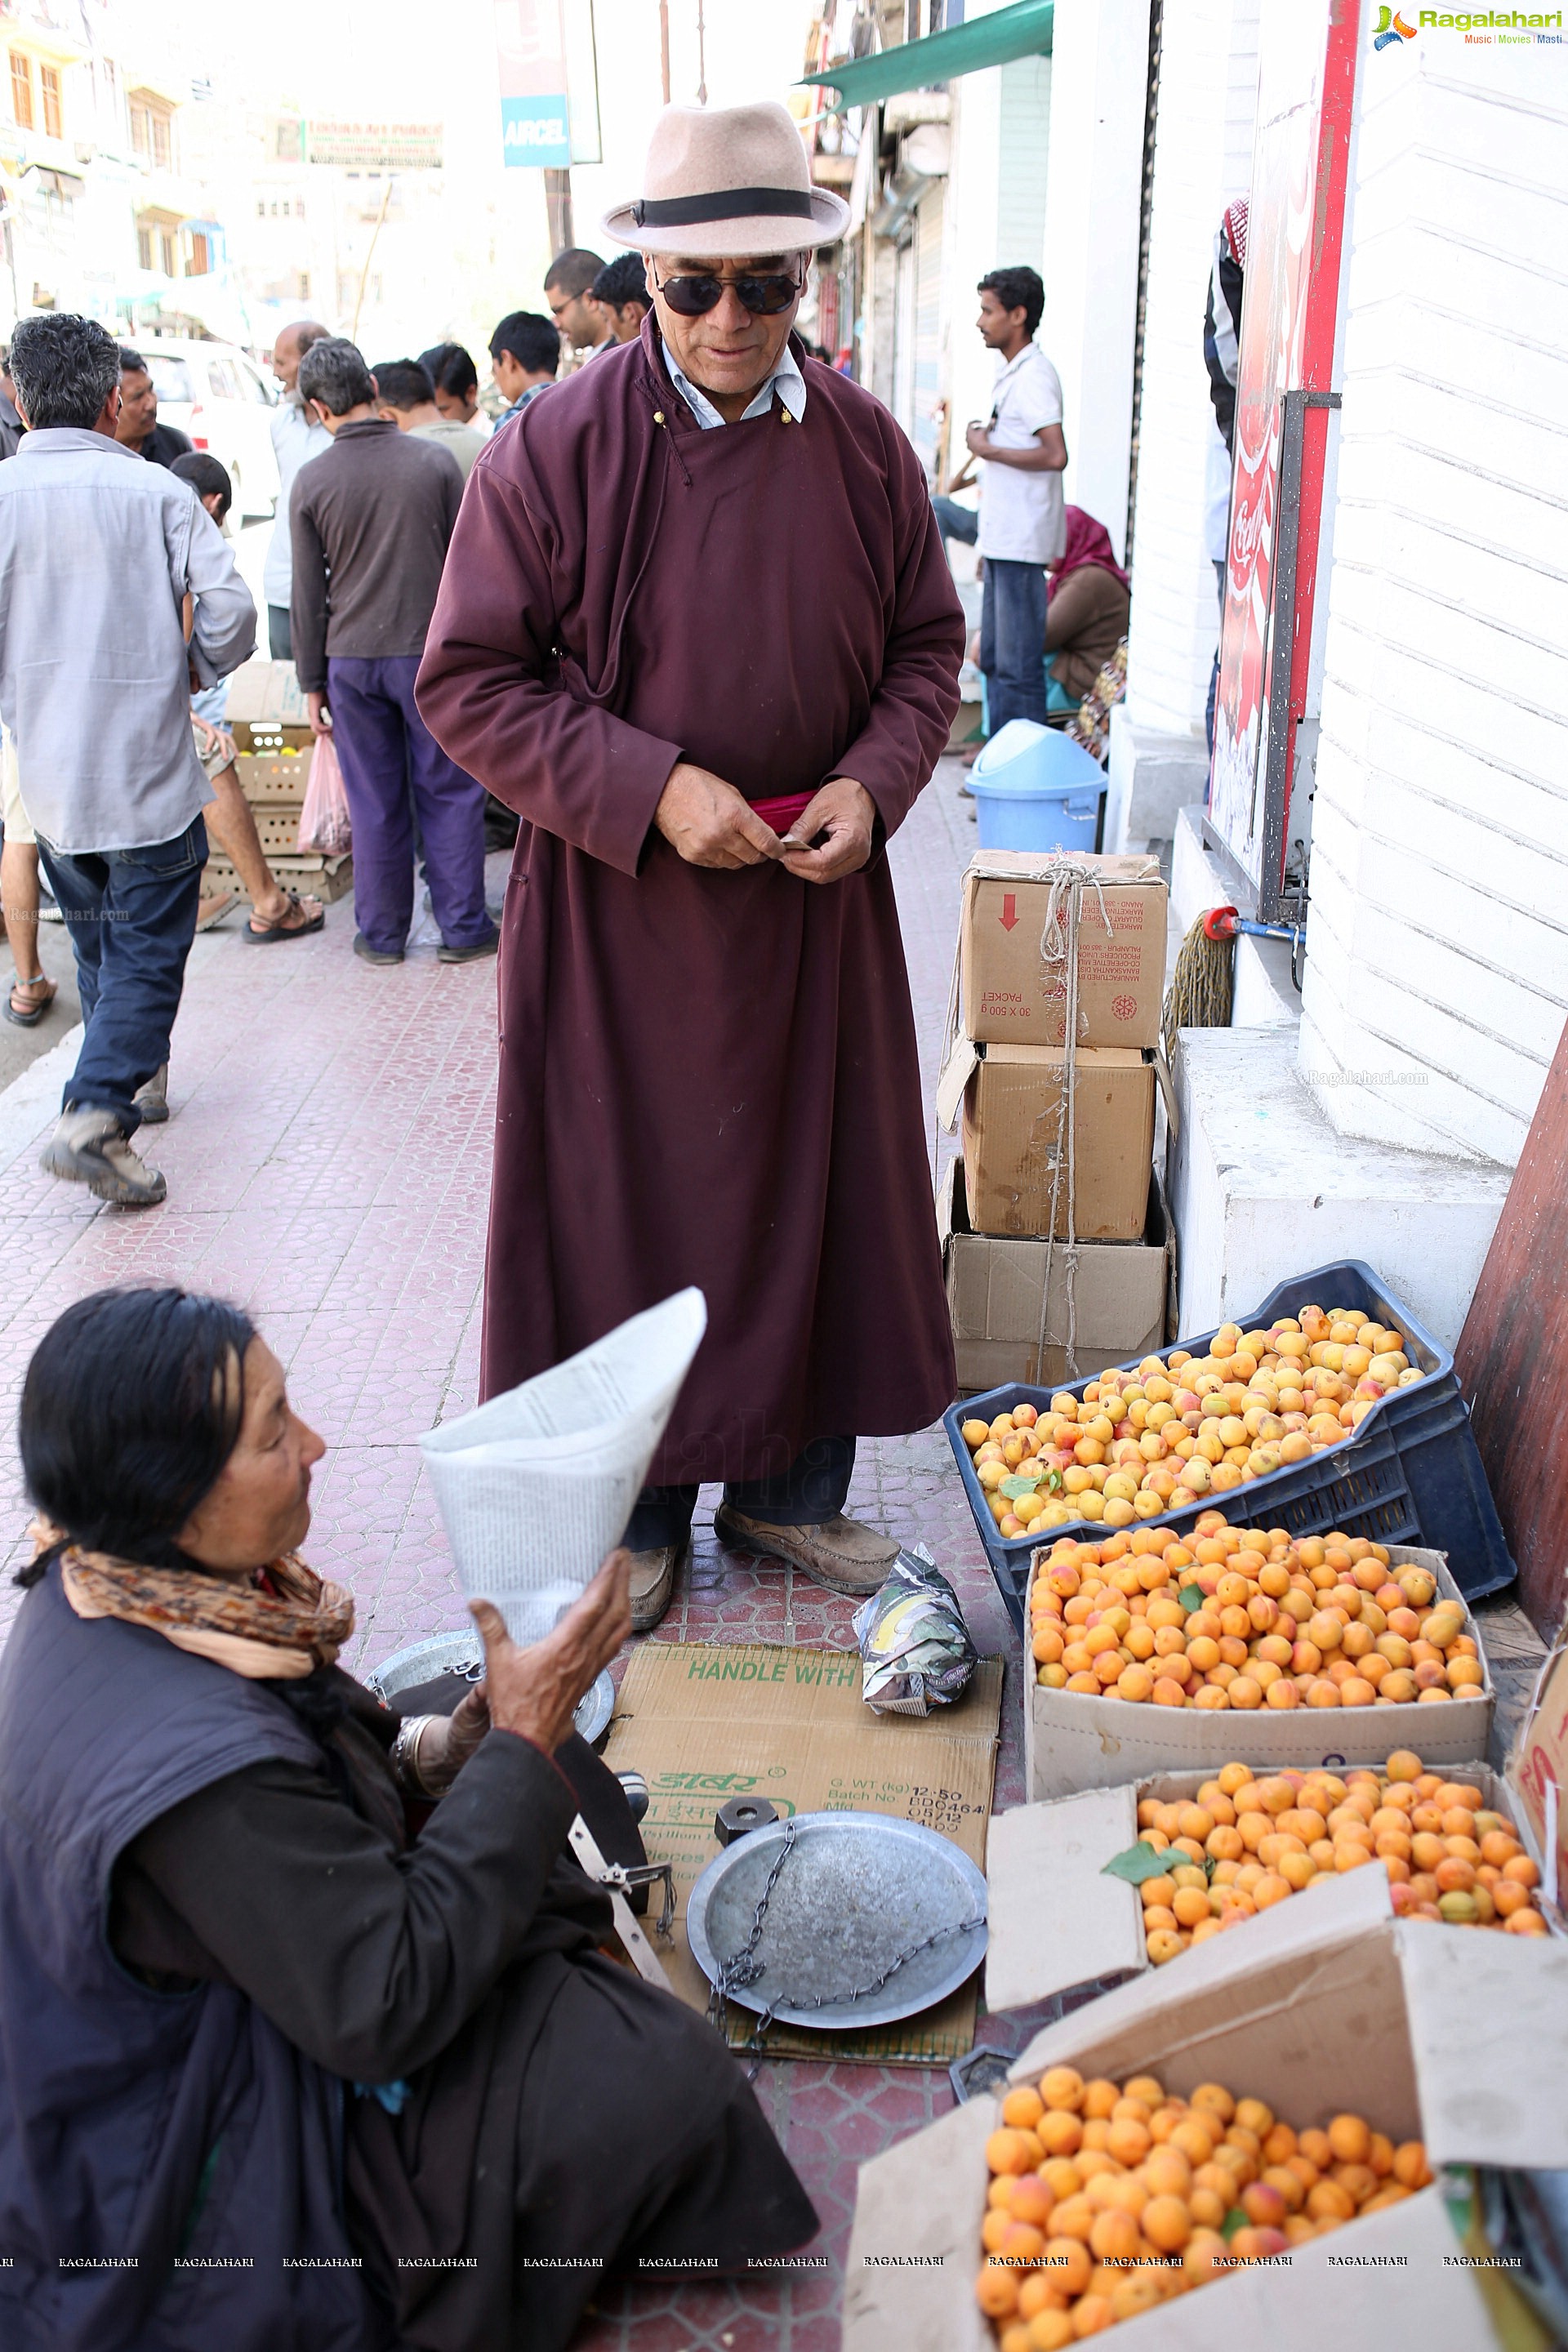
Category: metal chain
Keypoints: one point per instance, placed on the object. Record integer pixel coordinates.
(743, 1969)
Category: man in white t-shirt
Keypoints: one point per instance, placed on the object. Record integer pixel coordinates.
(1023, 524)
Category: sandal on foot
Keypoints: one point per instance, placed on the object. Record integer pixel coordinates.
(268, 934)
(28, 1015)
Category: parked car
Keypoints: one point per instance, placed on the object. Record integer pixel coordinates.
(219, 397)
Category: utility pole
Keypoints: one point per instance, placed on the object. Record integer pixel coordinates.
(701, 57)
(664, 45)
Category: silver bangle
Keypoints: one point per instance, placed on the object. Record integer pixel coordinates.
(405, 1754)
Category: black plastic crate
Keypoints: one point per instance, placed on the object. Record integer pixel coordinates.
(1411, 1474)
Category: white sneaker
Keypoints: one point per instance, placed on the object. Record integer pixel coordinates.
(90, 1147)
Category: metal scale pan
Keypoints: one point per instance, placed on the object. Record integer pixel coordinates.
(463, 1654)
(855, 1892)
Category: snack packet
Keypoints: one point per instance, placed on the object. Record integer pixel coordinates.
(915, 1649)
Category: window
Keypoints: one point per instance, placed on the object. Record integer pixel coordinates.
(304, 286)
(171, 378)
(162, 145)
(261, 209)
(49, 90)
(222, 382)
(166, 250)
(144, 248)
(141, 133)
(200, 261)
(22, 90)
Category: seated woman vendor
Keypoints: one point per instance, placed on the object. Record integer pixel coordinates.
(291, 2059)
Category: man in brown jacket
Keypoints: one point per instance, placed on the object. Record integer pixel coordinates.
(370, 520)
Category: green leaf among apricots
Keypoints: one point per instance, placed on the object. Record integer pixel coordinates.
(1192, 1596)
(1136, 1864)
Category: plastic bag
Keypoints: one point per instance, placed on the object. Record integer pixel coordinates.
(537, 1485)
(324, 829)
(915, 1650)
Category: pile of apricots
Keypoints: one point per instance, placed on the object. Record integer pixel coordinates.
(1140, 1443)
(1244, 1618)
(1106, 2200)
(1250, 1840)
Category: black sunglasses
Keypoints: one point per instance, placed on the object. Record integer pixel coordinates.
(764, 297)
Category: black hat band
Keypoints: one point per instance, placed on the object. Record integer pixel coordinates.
(722, 203)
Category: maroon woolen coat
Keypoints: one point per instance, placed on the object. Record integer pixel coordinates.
(706, 1077)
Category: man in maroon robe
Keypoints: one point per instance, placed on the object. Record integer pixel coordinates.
(697, 628)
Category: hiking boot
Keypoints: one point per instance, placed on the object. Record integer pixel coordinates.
(90, 1147)
(152, 1099)
(842, 1554)
(653, 1583)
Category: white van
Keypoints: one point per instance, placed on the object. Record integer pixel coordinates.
(218, 395)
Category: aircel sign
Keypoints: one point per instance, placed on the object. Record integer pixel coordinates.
(530, 57)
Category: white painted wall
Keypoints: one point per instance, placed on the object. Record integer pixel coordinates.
(1098, 87)
(1438, 927)
(1203, 159)
(1024, 162)
(971, 216)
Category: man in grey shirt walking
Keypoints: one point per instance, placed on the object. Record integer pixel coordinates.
(98, 553)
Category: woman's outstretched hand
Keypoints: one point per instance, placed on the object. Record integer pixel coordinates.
(534, 1692)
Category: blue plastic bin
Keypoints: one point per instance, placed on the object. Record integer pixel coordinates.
(1035, 788)
(1411, 1474)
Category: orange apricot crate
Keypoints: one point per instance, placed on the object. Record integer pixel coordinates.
(1182, 1426)
(1107, 2199)
(1247, 1842)
(1247, 1618)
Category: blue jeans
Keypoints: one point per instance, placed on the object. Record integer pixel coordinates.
(812, 1489)
(1013, 640)
(954, 521)
(132, 916)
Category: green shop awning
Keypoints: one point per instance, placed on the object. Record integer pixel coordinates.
(1021, 31)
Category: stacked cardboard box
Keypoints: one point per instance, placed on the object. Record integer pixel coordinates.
(268, 719)
(1027, 1154)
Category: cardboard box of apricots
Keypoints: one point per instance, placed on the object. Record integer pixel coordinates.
(1072, 1741)
(1321, 2009)
(1057, 1919)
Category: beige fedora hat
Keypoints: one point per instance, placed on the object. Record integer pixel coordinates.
(721, 181)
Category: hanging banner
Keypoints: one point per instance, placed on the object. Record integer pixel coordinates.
(535, 110)
(1284, 392)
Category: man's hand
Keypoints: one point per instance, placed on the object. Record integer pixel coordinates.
(846, 814)
(321, 717)
(977, 441)
(214, 739)
(709, 822)
(534, 1691)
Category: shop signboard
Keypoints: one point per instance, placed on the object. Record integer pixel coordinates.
(1284, 394)
(549, 83)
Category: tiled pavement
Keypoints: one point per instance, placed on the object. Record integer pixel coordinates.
(327, 1167)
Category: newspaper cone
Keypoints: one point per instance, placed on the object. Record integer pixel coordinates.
(537, 1485)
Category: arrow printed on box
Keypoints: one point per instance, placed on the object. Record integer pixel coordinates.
(1009, 915)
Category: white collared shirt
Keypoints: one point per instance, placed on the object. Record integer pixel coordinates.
(787, 380)
(1023, 515)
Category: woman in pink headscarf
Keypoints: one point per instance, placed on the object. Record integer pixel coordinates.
(1086, 618)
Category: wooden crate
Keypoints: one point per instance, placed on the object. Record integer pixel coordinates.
(328, 878)
(273, 776)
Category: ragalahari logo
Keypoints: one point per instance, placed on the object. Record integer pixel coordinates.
(1391, 27)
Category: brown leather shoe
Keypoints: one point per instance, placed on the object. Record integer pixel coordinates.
(653, 1583)
(842, 1554)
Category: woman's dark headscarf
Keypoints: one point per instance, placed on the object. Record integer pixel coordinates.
(130, 1408)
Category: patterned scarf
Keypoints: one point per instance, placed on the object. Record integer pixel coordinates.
(279, 1630)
